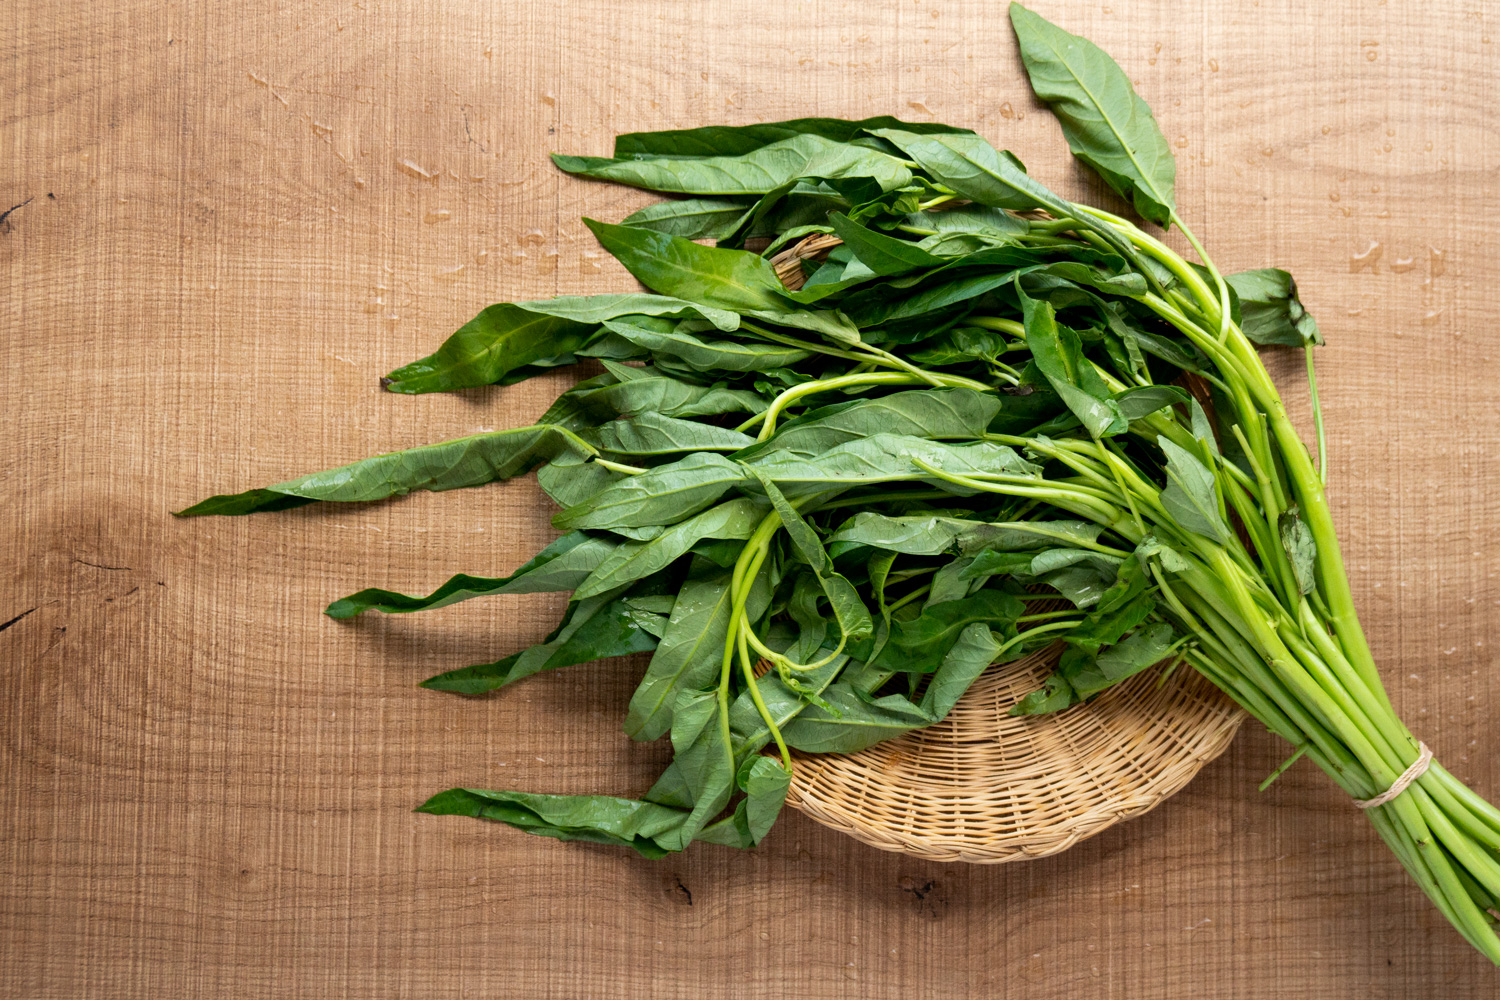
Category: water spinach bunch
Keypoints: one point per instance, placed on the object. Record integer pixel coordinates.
(908, 405)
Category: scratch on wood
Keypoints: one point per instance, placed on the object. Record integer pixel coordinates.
(113, 569)
(5, 215)
(17, 618)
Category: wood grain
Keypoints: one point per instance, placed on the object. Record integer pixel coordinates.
(225, 221)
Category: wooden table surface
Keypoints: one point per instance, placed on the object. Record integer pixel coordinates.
(222, 223)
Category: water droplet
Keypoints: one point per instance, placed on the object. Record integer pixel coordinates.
(481, 255)
(532, 236)
(359, 182)
(413, 170)
(1213, 65)
(1368, 259)
(1267, 151)
(392, 317)
(1431, 317)
(548, 98)
(1403, 264)
(1386, 147)
(373, 306)
(1327, 129)
(321, 129)
(1435, 262)
(441, 215)
(489, 51)
(1006, 111)
(1333, 196)
(1390, 131)
(1182, 142)
(1372, 55)
(450, 274)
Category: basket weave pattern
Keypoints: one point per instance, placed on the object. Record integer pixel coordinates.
(983, 786)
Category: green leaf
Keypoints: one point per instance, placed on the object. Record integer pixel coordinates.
(937, 414)
(248, 502)
(853, 722)
(711, 355)
(637, 560)
(883, 255)
(506, 337)
(1301, 548)
(1189, 496)
(919, 645)
(1021, 536)
(848, 610)
(651, 433)
(1058, 354)
(563, 565)
(755, 172)
(663, 495)
(1270, 311)
(600, 819)
(994, 225)
(448, 465)
(690, 218)
(913, 534)
(1106, 123)
(667, 396)
(724, 279)
(1143, 400)
(729, 140)
(591, 629)
(691, 648)
(974, 169)
(569, 479)
(886, 458)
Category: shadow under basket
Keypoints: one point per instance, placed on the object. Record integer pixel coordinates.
(985, 787)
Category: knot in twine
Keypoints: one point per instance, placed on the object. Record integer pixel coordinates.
(1416, 770)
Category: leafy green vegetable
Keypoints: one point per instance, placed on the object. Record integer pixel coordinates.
(1106, 123)
(508, 337)
(824, 484)
(563, 565)
(450, 465)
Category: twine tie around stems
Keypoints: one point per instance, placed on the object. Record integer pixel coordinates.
(1416, 770)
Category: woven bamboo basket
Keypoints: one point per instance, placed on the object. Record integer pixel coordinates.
(985, 787)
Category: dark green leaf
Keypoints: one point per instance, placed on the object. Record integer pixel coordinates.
(848, 610)
(690, 218)
(1106, 123)
(919, 645)
(712, 355)
(448, 465)
(883, 255)
(975, 169)
(756, 172)
(938, 414)
(637, 560)
(508, 336)
(731, 140)
(600, 819)
(1301, 548)
(724, 279)
(1190, 497)
(591, 629)
(653, 434)
(1270, 311)
(563, 565)
(663, 495)
(913, 534)
(1058, 353)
